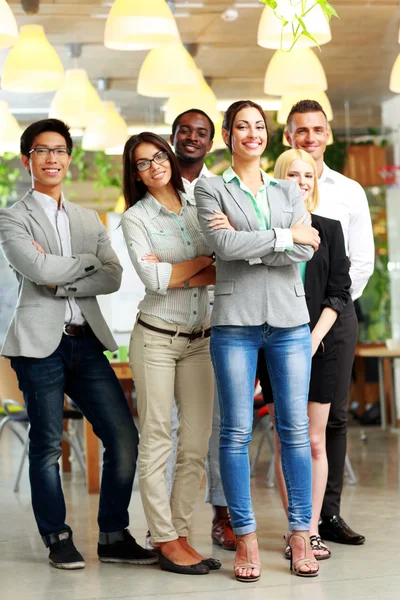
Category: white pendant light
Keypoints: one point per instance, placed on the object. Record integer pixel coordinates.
(271, 34)
(77, 103)
(32, 65)
(394, 84)
(8, 26)
(218, 142)
(166, 71)
(203, 98)
(298, 70)
(108, 131)
(10, 131)
(288, 100)
(140, 25)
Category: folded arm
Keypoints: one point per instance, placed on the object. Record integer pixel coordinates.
(42, 269)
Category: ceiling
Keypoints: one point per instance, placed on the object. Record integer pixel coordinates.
(357, 61)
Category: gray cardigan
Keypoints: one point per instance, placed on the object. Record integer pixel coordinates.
(249, 292)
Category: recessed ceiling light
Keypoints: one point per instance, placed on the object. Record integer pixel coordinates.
(230, 14)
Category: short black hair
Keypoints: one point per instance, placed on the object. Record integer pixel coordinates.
(305, 106)
(199, 112)
(41, 127)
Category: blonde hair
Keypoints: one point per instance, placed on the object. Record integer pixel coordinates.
(282, 166)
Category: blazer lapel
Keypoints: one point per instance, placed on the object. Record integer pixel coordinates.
(275, 205)
(37, 213)
(244, 204)
(76, 228)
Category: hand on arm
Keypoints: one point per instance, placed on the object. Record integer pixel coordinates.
(305, 234)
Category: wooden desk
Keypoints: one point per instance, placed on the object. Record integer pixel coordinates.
(124, 373)
(382, 354)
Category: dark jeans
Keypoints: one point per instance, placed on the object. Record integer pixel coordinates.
(78, 368)
(346, 333)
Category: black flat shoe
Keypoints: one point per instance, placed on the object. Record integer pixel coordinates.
(212, 563)
(168, 565)
(335, 529)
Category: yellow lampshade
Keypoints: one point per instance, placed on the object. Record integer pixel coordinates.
(108, 131)
(288, 100)
(297, 71)
(10, 131)
(203, 98)
(32, 65)
(270, 31)
(77, 103)
(218, 143)
(8, 26)
(394, 84)
(140, 25)
(120, 205)
(328, 143)
(166, 71)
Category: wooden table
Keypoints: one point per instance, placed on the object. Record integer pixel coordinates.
(382, 354)
(124, 373)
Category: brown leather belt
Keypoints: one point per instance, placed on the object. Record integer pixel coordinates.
(203, 333)
(78, 330)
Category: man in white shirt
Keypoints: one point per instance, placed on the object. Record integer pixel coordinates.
(192, 137)
(342, 199)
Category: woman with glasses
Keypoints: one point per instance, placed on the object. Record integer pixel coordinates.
(169, 349)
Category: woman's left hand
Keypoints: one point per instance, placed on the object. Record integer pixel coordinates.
(220, 221)
(151, 258)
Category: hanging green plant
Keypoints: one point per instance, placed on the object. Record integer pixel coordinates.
(108, 174)
(293, 12)
(9, 176)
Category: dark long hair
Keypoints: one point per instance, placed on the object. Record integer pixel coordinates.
(133, 189)
(232, 111)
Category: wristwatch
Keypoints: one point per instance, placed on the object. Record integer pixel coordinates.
(186, 284)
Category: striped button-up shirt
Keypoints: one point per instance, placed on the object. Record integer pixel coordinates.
(149, 227)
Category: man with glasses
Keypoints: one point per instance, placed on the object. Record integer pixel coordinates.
(63, 259)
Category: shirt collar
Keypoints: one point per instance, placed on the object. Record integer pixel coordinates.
(153, 207)
(203, 173)
(327, 174)
(229, 175)
(48, 202)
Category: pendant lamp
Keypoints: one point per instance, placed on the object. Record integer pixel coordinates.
(203, 98)
(8, 26)
(139, 25)
(10, 131)
(394, 84)
(297, 71)
(108, 131)
(32, 65)
(272, 35)
(218, 142)
(77, 103)
(288, 100)
(166, 71)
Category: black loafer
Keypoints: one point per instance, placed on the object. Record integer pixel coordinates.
(335, 529)
(212, 563)
(197, 569)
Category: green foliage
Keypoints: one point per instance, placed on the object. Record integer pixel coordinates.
(108, 174)
(8, 178)
(294, 12)
(79, 165)
(335, 154)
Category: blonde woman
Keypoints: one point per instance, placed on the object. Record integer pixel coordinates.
(327, 285)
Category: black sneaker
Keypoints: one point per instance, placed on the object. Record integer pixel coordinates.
(64, 555)
(126, 551)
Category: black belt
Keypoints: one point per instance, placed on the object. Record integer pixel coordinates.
(78, 330)
(203, 333)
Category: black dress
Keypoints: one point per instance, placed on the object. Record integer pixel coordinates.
(327, 283)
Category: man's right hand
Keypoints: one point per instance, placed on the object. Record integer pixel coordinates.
(305, 234)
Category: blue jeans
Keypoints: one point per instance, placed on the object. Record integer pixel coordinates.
(80, 369)
(234, 352)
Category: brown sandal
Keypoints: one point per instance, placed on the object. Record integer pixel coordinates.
(248, 564)
(317, 544)
(301, 562)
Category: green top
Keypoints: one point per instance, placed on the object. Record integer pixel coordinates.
(260, 201)
(302, 269)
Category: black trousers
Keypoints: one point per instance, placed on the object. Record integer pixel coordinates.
(346, 334)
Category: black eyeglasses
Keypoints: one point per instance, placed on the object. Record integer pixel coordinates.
(158, 159)
(47, 151)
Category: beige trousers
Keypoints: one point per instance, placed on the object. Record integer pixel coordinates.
(166, 366)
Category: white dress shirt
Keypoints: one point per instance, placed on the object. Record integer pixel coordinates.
(60, 222)
(344, 200)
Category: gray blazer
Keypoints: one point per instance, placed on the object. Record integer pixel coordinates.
(37, 323)
(252, 294)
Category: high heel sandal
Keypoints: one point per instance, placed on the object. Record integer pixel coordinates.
(301, 562)
(248, 564)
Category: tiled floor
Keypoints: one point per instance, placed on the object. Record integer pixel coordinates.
(368, 572)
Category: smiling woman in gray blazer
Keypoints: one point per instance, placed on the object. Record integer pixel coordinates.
(259, 303)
